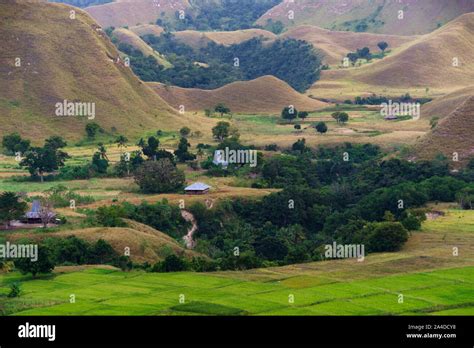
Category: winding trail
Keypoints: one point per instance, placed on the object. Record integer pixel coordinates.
(189, 217)
(188, 238)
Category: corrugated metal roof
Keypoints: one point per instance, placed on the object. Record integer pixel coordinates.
(197, 186)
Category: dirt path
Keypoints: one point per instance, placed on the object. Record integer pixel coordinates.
(188, 238)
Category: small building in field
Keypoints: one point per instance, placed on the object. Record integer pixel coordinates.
(35, 215)
(198, 188)
(391, 117)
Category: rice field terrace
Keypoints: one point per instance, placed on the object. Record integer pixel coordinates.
(425, 278)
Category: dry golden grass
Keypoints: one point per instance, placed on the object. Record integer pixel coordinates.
(266, 94)
(197, 39)
(147, 29)
(145, 243)
(57, 65)
(134, 12)
(445, 105)
(381, 16)
(221, 190)
(131, 38)
(453, 134)
(337, 44)
(426, 62)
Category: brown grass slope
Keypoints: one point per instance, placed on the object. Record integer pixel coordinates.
(453, 134)
(197, 39)
(134, 12)
(266, 94)
(381, 16)
(146, 29)
(337, 44)
(426, 62)
(131, 38)
(445, 105)
(145, 243)
(62, 58)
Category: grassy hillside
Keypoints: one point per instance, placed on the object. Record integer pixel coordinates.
(131, 38)
(445, 105)
(377, 16)
(146, 244)
(263, 95)
(431, 280)
(146, 29)
(337, 44)
(452, 134)
(56, 65)
(134, 12)
(198, 39)
(426, 62)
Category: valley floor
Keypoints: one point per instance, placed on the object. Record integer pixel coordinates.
(431, 279)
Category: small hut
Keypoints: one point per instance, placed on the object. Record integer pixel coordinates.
(391, 117)
(197, 188)
(36, 214)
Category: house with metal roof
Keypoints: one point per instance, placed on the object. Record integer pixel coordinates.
(35, 214)
(198, 188)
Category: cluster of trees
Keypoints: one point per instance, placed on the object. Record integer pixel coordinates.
(15, 144)
(325, 198)
(364, 53)
(379, 99)
(221, 15)
(347, 194)
(225, 64)
(46, 159)
(160, 215)
(340, 116)
(67, 251)
(154, 168)
(290, 113)
(50, 158)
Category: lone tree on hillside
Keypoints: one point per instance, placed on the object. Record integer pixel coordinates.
(321, 127)
(55, 142)
(222, 109)
(11, 208)
(182, 153)
(159, 177)
(364, 53)
(46, 159)
(383, 46)
(100, 161)
(121, 141)
(185, 131)
(300, 146)
(289, 113)
(92, 129)
(303, 114)
(221, 131)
